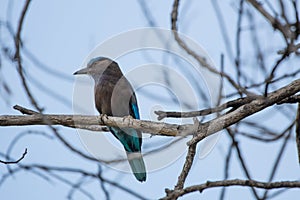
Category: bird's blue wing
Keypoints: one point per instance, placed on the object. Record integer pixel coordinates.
(134, 109)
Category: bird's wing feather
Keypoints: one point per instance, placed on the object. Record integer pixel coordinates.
(134, 109)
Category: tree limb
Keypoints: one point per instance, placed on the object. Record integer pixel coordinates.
(230, 104)
(244, 111)
(226, 183)
(298, 132)
(158, 128)
(85, 121)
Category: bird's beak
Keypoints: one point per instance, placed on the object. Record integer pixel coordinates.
(81, 71)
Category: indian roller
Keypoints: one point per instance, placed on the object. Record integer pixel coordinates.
(114, 96)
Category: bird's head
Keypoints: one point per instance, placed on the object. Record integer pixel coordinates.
(96, 67)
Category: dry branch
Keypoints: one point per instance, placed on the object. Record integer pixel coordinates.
(16, 161)
(298, 132)
(84, 121)
(201, 130)
(174, 194)
(246, 110)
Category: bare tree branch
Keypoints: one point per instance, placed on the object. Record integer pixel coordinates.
(81, 121)
(17, 161)
(272, 20)
(226, 183)
(19, 59)
(234, 104)
(246, 110)
(188, 163)
(298, 132)
(201, 60)
(204, 129)
(187, 166)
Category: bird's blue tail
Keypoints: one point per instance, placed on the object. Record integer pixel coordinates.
(132, 145)
(137, 165)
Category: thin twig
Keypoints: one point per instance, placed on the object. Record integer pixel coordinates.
(201, 60)
(17, 161)
(271, 76)
(277, 162)
(230, 104)
(272, 20)
(19, 59)
(241, 159)
(298, 132)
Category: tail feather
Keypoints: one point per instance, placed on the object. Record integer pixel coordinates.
(137, 165)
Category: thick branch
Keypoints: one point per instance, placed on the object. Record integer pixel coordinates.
(159, 128)
(244, 111)
(236, 182)
(84, 121)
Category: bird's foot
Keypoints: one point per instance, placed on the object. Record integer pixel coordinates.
(103, 118)
(128, 119)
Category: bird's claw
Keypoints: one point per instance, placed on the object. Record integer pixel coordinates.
(102, 117)
(128, 119)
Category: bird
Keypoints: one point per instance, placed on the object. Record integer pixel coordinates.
(114, 96)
